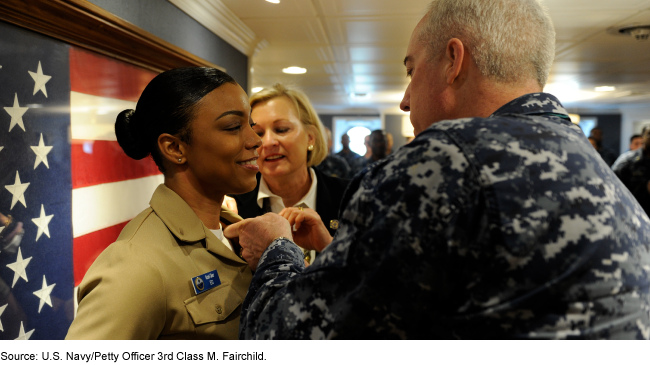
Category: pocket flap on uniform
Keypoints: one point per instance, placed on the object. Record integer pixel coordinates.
(214, 305)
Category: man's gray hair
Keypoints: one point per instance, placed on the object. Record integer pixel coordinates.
(509, 40)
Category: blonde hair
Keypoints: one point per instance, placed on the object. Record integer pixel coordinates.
(509, 40)
(306, 114)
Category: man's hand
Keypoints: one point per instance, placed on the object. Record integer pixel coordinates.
(310, 232)
(256, 234)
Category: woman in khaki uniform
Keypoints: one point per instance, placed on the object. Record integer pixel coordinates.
(171, 274)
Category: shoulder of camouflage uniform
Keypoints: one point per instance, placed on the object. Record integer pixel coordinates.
(626, 159)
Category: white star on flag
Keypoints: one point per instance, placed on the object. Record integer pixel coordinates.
(39, 80)
(2, 309)
(18, 190)
(42, 223)
(16, 113)
(41, 152)
(22, 335)
(44, 294)
(19, 267)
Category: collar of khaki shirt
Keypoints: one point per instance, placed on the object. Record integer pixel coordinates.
(307, 201)
(183, 223)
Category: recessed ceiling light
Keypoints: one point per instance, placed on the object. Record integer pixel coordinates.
(359, 95)
(273, 1)
(294, 70)
(257, 89)
(605, 88)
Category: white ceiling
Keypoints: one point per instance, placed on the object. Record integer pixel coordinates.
(358, 46)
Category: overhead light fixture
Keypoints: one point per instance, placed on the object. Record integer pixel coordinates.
(605, 88)
(640, 32)
(257, 89)
(359, 95)
(294, 70)
(273, 1)
(569, 91)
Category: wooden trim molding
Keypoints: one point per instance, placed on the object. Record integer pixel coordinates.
(84, 24)
(220, 20)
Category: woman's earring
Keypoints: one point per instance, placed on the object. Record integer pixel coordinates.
(180, 160)
(310, 148)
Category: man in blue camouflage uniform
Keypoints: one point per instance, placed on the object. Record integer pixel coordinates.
(334, 165)
(501, 223)
(349, 155)
(633, 168)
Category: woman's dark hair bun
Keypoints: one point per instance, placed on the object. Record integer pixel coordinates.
(128, 137)
(166, 105)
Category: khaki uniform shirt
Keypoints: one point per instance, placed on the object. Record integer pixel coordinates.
(140, 288)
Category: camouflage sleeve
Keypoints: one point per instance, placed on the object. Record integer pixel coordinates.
(394, 238)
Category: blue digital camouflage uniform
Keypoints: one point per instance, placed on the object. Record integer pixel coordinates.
(608, 155)
(623, 157)
(349, 157)
(634, 171)
(510, 226)
(335, 166)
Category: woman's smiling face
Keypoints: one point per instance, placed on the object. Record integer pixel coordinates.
(284, 137)
(222, 154)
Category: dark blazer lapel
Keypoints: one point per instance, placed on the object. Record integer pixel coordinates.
(247, 202)
(325, 207)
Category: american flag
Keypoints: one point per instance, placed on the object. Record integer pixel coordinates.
(62, 175)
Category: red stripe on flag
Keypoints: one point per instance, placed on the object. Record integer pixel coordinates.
(86, 248)
(94, 74)
(101, 162)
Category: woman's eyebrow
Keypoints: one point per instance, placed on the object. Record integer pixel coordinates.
(231, 112)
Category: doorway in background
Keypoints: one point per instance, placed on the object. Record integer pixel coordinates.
(357, 128)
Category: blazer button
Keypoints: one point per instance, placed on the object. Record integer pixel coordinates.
(218, 309)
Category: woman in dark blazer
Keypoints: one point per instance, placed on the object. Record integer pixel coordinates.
(293, 140)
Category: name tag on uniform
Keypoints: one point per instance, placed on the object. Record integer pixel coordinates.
(205, 281)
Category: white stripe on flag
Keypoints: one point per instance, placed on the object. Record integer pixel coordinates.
(93, 117)
(105, 205)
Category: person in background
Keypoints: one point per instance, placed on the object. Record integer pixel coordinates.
(499, 221)
(171, 274)
(346, 152)
(608, 155)
(378, 148)
(293, 141)
(633, 168)
(594, 142)
(389, 143)
(636, 142)
(334, 165)
(366, 142)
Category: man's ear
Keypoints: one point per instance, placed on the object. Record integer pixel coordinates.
(455, 55)
(172, 149)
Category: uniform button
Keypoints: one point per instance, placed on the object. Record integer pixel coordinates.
(218, 309)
